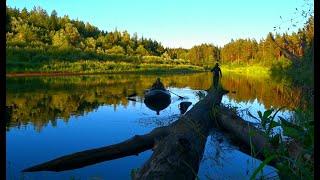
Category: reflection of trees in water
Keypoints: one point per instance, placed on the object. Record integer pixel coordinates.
(266, 91)
(40, 100)
(39, 109)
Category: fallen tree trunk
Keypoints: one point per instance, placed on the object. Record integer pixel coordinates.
(178, 155)
(133, 146)
(243, 130)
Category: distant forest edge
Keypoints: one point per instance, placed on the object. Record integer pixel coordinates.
(38, 42)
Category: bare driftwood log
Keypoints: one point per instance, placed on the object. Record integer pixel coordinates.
(243, 130)
(133, 146)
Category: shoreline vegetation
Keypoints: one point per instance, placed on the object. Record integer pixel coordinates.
(61, 73)
(48, 60)
(257, 70)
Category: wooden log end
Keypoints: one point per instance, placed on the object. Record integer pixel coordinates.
(41, 167)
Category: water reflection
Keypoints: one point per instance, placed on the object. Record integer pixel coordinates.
(265, 91)
(157, 105)
(157, 98)
(40, 100)
(221, 160)
(75, 113)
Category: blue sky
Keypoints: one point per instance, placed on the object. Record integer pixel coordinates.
(178, 23)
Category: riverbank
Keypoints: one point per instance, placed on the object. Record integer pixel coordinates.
(52, 61)
(109, 68)
(94, 67)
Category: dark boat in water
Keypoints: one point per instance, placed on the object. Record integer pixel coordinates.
(157, 99)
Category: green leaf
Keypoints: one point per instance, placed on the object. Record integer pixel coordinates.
(273, 124)
(263, 123)
(291, 132)
(267, 113)
(261, 166)
(260, 114)
(274, 115)
(263, 120)
(285, 123)
(275, 140)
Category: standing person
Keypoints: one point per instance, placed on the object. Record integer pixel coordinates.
(216, 75)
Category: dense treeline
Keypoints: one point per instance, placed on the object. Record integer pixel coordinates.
(36, 28)
(37, 35)
(301, 70)
(267, 50)
(38, 42)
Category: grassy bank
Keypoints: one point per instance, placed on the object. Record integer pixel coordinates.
(252, 69)
(74, 61)
(96, 66)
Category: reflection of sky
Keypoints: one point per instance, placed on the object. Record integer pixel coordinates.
(100, 128)
(221, 160)
(253, 106)
(105, 126)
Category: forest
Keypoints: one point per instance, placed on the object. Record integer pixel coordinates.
(39, 42)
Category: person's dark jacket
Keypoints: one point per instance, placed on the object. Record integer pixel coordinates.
(217, 71)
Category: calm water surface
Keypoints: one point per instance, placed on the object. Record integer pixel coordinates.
(55, 116)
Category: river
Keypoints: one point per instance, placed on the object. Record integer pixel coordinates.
(56, 116)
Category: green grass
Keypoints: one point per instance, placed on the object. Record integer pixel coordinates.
(96, 66)
(253, 69)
